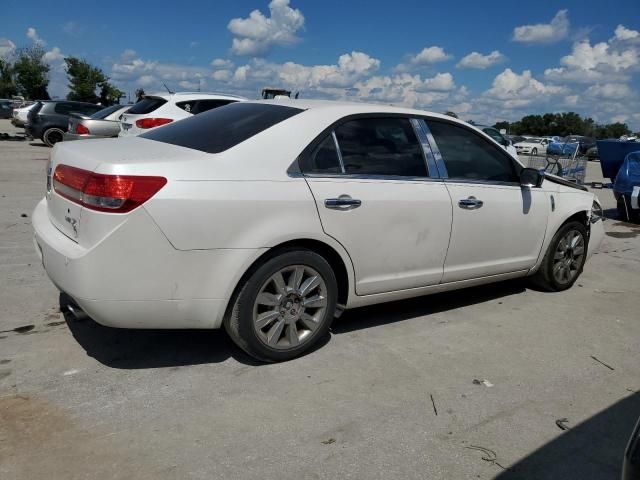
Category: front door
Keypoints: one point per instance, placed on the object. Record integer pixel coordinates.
(498, 226)
(374, 196)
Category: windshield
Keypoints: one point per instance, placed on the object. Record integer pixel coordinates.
(105, 112)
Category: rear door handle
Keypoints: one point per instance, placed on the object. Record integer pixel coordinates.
(471, 203)
(343, 202)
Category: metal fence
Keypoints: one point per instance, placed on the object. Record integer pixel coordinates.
(572, 168)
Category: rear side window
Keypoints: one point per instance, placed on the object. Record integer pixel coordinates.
(198, 106)
(87, 109)
(147, 105)
(381, 146)
(219, 129)
(63, 108)
(324, 158)
(469, 156)
(105, 112)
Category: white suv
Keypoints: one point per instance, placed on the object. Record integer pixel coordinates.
(159, 109)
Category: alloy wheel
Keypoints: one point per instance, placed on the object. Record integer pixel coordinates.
(290, 307)
(568, 257)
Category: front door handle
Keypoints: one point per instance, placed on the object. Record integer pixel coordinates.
(471, 203)
(343, 202)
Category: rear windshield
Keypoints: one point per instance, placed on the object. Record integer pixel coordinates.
(217, 130)
(105, 112)
(147, 105)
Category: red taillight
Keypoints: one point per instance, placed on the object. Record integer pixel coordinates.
(152, 122)
(105, 193)
(81, 129)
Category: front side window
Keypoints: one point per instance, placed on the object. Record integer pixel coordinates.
(467, 155)
(381, 146)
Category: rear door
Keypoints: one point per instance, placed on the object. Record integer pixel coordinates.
(375, 196)
(498, 226)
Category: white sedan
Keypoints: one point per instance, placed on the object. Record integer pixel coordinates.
(532, 146)
(269, 218)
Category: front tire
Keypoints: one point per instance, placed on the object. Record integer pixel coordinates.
(534, 152)
(52, 135)
(564, 260)
(284, 307)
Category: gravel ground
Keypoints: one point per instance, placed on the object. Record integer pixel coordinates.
(469, 384)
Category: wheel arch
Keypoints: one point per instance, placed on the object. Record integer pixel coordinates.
(337, 258)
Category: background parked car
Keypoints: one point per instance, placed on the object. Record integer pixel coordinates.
(626, 187)
(592, 153)
(532, 146)
(153, 111)
(6, 108)
(104, 123)
(500, 138)
(20, 115)
(49, 119)
(584, 143)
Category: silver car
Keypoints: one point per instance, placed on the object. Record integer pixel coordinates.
(104, 123)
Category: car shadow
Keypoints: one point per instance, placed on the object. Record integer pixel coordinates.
(138, 348)
(392, 312)
(592, 450)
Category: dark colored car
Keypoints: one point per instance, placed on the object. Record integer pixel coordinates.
(631, 464)
(585, 143)
(49, 119)
(6, 108)
(626, 187)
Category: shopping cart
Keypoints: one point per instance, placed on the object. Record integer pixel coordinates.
(570, 167)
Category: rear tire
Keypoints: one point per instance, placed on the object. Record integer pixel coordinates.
(52, 135)
(284, 307)
(534, 152)
(564, 260)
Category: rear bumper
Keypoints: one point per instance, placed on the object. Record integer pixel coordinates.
(134, 278)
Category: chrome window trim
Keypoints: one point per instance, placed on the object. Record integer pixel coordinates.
(337, 145)
(494, 183)
(361, 176)
(437, 156)
(418, 128)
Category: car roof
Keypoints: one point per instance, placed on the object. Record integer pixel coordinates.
(185, 96)
(344, 108)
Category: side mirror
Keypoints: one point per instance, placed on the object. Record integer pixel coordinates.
(530, 177)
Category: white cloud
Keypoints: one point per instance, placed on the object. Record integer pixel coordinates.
(479, 61)
(442, 82)
(614, 91)
(428, 56)
(7, 47)
(622, 33)
(587, 57)
(221, 63)
(194, 44)
(554, 31)
(128, 54)
(257, 35)
(222, 75)
(147, 73)
(33, 35)
(571, 100)
(53, 56)
(509, 85)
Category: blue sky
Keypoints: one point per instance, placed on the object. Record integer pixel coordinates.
(549, 56)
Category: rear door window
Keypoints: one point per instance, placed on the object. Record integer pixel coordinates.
(323, 159)
(63, 108)
(205, 105)
(219, 129)
(381, 146)
(147, 105)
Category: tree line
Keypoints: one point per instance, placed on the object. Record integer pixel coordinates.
(563, 124)
(26, 73)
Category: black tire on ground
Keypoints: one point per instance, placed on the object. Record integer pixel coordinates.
(622, 211)
(534, 152)
(239, 322)
(52, 135)
(544, 278)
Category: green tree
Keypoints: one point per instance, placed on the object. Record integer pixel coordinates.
(502, 125)
(84, 79)
(109, 94)
(31, 73)
(139, 94)
(7, 82)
